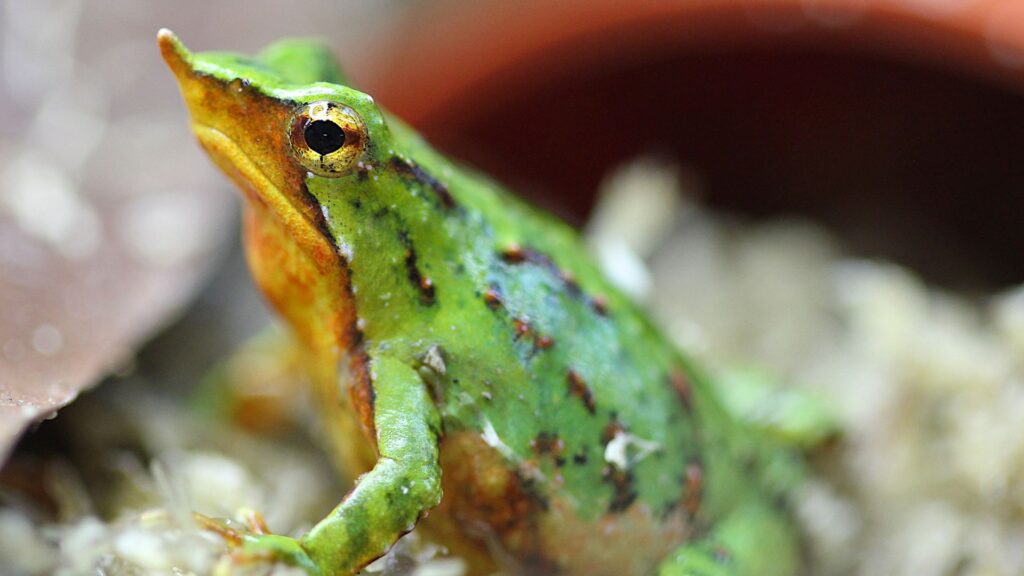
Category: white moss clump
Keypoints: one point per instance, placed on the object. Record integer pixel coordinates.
(929, 387)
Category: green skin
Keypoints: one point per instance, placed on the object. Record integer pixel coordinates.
(542, 358)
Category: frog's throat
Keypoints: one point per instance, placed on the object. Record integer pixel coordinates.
(260, 191)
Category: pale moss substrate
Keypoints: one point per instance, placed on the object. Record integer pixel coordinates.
(928, 387)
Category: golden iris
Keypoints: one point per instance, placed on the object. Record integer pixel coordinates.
(327, 138)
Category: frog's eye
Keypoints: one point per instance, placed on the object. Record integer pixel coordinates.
(327, 138)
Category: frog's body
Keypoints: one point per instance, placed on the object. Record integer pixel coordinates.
(457, 334)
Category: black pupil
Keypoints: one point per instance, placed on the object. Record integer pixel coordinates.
(324, 137)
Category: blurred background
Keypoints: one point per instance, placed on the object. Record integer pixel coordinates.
(110, 215)
(895, 128)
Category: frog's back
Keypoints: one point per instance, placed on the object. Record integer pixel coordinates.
(587, 413)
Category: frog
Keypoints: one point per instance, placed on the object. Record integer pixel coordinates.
(470, 360)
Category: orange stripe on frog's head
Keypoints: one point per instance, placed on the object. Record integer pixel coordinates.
(246, 129)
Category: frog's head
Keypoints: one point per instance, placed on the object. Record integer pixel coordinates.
(298, 143)
(278, 120)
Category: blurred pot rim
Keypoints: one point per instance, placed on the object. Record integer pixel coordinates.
(451, 51)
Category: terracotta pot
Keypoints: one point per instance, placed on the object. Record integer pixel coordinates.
(899, 123)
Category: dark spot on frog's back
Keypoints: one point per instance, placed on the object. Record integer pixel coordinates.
(492, 297)
(516, 254)
(521, 329)
(680, 382)
(623, 489)
(421, 283)
(530, 487)
(416, 173)
(693, 488)
(547, 444)
(612, 429)
(579, 389)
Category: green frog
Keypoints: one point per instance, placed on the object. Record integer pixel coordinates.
(470, 361)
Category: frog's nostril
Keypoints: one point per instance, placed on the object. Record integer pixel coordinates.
(324, 136)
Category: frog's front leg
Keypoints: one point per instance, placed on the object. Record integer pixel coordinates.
(387, 501)
(756, 539)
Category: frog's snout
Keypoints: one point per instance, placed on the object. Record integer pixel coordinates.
(174, 52)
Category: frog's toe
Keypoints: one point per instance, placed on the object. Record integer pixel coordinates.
(256, 543)
(274, 548)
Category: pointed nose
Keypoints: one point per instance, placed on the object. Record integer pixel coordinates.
(178, 57)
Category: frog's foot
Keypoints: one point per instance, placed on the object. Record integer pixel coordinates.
(699, 559)
(756, 539)
(256, 544)
(791, 417)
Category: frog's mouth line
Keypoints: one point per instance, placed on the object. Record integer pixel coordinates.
(258, 189)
